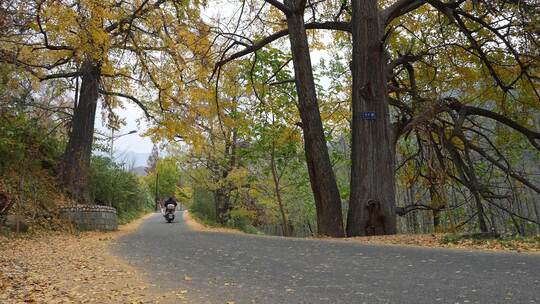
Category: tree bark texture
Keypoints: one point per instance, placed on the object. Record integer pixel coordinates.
(437, 186)
(223, 205)
(76, 162)
(372, 155)
(321, 174)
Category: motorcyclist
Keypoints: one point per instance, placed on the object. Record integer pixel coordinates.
(168, 212)
(171, 200)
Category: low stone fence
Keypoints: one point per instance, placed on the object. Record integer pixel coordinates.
(91, 217)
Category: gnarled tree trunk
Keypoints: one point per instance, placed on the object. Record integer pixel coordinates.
(372, 155)
(437, 187)
(76, 162)
(223, 205)
(321, 174)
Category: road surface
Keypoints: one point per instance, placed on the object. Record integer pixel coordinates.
(237, 268)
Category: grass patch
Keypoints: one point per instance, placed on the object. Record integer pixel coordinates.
(201, 218)
(251, 230)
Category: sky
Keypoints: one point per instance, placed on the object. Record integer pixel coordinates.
(133, 146)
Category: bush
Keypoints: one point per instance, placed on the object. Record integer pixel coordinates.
(26, 144)
(240, 218)
(203, 208)
(251, 230)
(30, 149)
(202, 204)
(113, 186)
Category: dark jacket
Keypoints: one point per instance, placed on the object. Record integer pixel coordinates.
(170, 200)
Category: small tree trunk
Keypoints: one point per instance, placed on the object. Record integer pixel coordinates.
(437, 188)
(481, 213)
(275, 178)
(321, 174)
(372, 155)
(76, 162)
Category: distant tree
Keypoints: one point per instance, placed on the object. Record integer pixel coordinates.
(152, 161)
(165, 178)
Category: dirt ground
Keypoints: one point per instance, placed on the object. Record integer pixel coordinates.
(65, 267)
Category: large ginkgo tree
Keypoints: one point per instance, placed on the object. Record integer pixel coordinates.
(110, 50)
(445, 72)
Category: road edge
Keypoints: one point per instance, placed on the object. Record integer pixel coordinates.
(195, 225)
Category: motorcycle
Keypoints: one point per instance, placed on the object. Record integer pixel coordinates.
(169, 212)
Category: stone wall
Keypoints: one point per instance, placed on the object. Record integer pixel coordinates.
(91, 217)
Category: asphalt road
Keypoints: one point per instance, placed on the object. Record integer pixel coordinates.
(222, 267)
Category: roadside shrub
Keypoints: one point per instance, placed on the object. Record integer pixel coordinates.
(113, 186)
(27, 144)
(30, 149)
(203, 208)
(240, 218)
(252, 230)
(202, 204)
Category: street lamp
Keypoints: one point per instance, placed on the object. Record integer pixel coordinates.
(111, 153)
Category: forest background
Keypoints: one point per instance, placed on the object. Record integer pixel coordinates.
(414, 117)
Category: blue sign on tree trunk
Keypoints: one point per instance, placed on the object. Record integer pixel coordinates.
(368, 115)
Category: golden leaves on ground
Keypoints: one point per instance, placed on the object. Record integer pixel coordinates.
(437, 240)
(67, 268)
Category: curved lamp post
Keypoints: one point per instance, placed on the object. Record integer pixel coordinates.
(113, 137)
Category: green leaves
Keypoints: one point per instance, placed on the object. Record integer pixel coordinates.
(166, 177)
(112, 185)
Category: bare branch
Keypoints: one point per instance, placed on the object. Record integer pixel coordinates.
(531, 135)
(135, 100)
(58, 75)
(280, 6)
(340, 26)
(400, 8)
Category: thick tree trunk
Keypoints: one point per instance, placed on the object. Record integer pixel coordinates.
(223, 205)
(76, 162)
(223, 195)
(372, 155)
(321, 174)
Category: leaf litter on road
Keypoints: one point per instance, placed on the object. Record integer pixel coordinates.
(60, 267)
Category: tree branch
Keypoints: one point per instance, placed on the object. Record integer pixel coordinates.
(135, 100)
(280, 6)
(531, 135)
(400, 8)
(331, 25)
